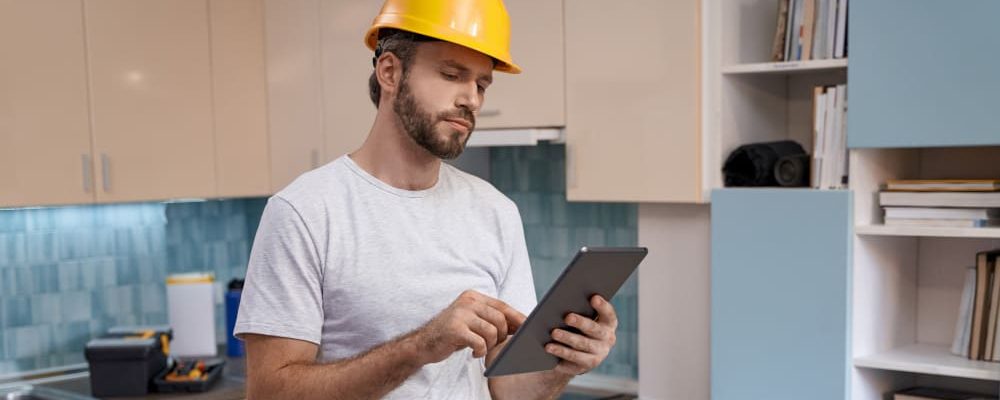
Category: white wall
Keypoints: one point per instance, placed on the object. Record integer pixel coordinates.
(674, 302)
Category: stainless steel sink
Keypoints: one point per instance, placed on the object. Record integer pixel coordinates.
(30, 392)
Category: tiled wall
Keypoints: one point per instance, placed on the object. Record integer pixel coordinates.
(69, 273)
(534, 177)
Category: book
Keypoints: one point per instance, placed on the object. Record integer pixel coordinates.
(984, 267)
(991, 324)
(831, 28)
(943, 185)
(941, 213)
(789, 28)
(840, 45)
(819, 114)
(778, 48)
(940, 199)
(819, 30)
(828, 139)
(922, 393)
(945, 223)
(960, 343)
(795, 49)
(808, 24)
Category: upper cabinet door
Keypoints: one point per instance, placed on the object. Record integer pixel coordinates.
(346, 67)
(537, 96)
(923, 73)
(239, 85)
(632, 101)
(294, 88)
(151, 98)
(44, 122)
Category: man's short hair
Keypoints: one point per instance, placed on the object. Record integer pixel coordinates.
(401, 43)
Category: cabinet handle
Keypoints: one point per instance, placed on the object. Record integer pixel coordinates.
(495, 112)
(314, 156)
(106, 172)
(88, 173)
(571, 166)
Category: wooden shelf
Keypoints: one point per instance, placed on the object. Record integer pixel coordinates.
(923, 231)
(788, 67)
(930, 359)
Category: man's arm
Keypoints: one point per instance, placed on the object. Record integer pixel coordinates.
(286, 368)
(578, 354)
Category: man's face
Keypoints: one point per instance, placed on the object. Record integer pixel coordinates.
(440, 94)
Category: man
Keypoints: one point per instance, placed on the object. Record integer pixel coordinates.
(387, 273)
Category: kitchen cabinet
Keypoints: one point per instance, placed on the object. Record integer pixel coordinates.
(928, 81)
(780, 307)
(295, 95)
(346, 66)
(239, 101)
(537, 96)
(632, 101)
(151, 99)
(45, 155)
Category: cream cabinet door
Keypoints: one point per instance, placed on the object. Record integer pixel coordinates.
(536, 96)
(632, 101)
(239, 87)
(347, 64)
(295, 91)
(151, 98)
(44, 122)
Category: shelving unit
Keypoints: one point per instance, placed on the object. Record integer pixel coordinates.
(787, 67)
(908, 281)
(747, 97)
(920, 231)
(930, 359)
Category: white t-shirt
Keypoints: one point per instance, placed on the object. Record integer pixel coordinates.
(348, 262)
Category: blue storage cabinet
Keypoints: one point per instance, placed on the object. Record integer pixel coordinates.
(923, 73)
(781, 273)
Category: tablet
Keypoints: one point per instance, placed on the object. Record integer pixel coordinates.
(594, 270)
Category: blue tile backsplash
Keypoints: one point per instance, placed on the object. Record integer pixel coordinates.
(534, 177)
(69, 273)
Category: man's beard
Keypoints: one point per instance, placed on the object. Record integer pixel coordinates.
(420, 125)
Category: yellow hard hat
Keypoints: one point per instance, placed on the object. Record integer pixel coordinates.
(481, 25)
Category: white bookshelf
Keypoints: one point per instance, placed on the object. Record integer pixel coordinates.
(920, 231)
(908, 281)
(931, 360)
(787, 67)
(747, 97)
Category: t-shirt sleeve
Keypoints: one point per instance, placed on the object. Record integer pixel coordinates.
(282, 295)
(518, 287)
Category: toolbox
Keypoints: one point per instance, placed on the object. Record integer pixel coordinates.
(124, 362)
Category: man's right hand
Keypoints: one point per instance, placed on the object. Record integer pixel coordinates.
(472, 320)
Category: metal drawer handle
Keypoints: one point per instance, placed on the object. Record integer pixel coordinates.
(88, 174)
(106, 172)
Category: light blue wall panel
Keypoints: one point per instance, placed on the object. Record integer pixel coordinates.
(780, 294)
(924, 73)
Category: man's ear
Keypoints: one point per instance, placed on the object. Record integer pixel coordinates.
(389, 72)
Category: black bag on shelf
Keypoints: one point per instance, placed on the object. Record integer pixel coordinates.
(783, 163)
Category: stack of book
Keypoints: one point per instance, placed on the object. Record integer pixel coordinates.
(829, 160)
(945, 203)
(922, 393)
(810, 30)
(979, 311)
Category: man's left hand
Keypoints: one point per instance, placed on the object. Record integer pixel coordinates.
(580, 353)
